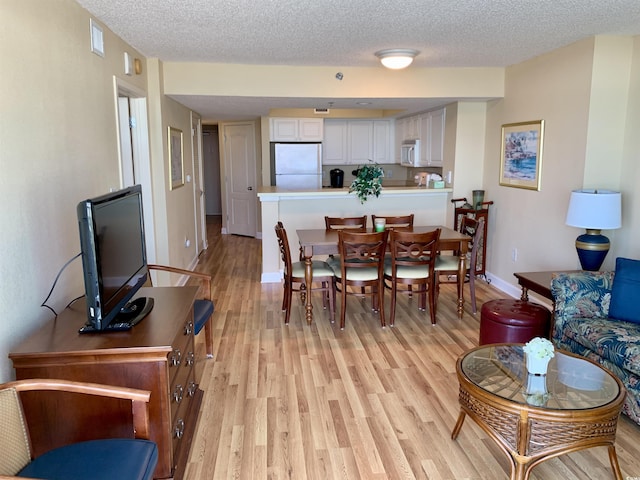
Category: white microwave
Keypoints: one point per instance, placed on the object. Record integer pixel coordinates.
(410, 153)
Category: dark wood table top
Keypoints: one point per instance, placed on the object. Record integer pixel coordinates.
(539, 282)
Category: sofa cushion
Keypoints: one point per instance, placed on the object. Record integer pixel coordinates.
(616, 341)
(626, 291)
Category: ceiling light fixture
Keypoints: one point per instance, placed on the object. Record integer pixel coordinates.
(396, 58)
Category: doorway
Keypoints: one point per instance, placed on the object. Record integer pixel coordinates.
(135, 159)
(240, 181)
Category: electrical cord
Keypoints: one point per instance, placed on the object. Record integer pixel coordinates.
(44, 303)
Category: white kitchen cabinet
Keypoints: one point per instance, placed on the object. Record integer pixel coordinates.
(334, 146)
(355, 142)
(432, 138)
(360, 145)
(296, 129)
(383, 141)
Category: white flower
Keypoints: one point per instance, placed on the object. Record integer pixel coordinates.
(539, 348)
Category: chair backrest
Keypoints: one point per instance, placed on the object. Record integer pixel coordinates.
(350, 223)
(398, 221)
(362, 250)
(414, 249)
(283, 243)
(14, 441)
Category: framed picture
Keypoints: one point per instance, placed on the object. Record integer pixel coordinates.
(176, 164)
(521, 157)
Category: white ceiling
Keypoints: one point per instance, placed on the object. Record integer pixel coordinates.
(448, 33)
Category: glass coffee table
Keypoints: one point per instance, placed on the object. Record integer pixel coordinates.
(533, 418)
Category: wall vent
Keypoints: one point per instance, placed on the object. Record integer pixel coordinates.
(321, 111)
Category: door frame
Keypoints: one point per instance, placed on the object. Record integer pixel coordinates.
(139, 145)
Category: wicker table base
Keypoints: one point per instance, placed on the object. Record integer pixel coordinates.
(529, 435)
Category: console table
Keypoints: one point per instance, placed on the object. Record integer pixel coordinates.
(157, 354)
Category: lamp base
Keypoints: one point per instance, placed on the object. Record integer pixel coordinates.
(592, 248)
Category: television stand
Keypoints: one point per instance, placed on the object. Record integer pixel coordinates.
(131, 314)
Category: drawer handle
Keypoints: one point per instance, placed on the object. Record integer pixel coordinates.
(188, 328)
(191, 389)
(191, 358)
(176, 357)
(178, 393)
(178, 431)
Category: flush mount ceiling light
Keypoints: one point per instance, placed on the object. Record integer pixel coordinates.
(396, 58)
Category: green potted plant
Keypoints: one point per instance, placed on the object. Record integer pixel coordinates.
(368, 181)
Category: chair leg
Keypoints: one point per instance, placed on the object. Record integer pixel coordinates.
(208, 338)
(432, 302)
(288, 293)
(472, 289)
(331, 293)
(380, 297)
(344, 306)
(392, 310)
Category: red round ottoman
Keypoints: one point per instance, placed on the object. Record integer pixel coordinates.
(513, 321)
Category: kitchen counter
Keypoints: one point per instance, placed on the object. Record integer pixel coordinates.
(266, 192)
(302, 209)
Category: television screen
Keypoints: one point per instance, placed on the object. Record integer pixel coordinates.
(114, 256)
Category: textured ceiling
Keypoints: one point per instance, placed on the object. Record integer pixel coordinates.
(448, 33)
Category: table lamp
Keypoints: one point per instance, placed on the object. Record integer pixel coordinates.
(593, 210)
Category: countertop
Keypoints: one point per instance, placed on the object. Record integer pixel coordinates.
(270, 191)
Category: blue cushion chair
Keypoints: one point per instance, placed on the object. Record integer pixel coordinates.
(132, 458)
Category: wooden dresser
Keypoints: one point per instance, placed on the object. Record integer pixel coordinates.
(158, 355)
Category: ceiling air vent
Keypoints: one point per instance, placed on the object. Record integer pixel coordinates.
(321, 111)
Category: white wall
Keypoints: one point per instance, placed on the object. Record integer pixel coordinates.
(564, 89)
(58, 146)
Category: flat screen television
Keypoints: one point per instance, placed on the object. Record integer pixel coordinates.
(114, 259)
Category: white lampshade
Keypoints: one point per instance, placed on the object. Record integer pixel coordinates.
(397, 58)
(595, 209)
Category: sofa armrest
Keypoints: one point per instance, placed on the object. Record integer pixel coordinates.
(581, 294)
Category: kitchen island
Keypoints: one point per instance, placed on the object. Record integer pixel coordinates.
(306, 209)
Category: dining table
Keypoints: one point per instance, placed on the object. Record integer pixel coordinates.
(319, 241)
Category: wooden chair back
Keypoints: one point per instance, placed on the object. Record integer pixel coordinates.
(414, 249)
(285, 251)
(350, 223)
(397, 221)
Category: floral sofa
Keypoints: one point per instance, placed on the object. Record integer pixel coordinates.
(583, 325)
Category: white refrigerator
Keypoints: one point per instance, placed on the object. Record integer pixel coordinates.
(296, 166)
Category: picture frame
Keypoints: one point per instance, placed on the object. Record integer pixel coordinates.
(521, 155)
(176, 160)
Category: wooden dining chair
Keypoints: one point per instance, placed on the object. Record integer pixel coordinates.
(395, 221)
(447, 265)
(294, 280)
(411, 266)
(361, 267)
(351, 223)
(203, 306)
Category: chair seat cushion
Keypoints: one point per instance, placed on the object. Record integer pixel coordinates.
(319, 268)
(202, 311)
(405, 271)
(107, 459)
(361, 274)
(447, 262)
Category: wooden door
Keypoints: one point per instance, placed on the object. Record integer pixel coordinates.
(240, 165)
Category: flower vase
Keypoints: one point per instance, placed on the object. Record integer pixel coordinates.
(537, 365)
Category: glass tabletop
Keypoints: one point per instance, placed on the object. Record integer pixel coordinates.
(571, 383)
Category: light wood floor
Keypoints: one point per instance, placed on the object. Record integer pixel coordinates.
(314, 402)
